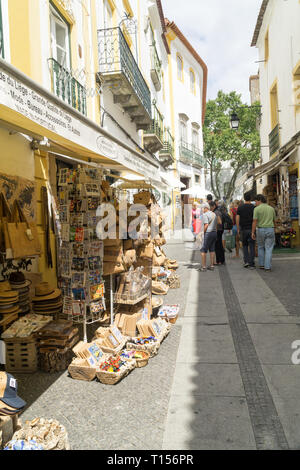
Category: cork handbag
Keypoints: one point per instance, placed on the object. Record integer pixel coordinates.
(21, 236)
(5, 216)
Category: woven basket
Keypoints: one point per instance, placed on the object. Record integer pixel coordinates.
(139, 362)
(79, 371)
(111, 378)
(151, 348)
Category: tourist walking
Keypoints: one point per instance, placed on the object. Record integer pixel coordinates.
(210, 235)
(263, 222)
(233, 212)
(220, 211)
(244, 221)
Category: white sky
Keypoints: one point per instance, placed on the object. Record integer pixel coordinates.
(221, 32)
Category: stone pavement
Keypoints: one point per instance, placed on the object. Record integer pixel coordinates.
(128, 416)
(235, 386)
(223, 379)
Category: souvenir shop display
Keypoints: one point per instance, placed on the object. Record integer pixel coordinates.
(40, 434)
(21, 344)
(18, 283)
(141, 357)
(80, 250)
(114, 369)
(55, 342)
(169, 313)
(47, 300)
(9, 303)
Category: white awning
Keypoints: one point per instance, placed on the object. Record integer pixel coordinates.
(172, 181)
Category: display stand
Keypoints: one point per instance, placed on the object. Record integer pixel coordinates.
(80, 251)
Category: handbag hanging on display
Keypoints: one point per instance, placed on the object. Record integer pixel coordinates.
(21, 236)
(5, 216)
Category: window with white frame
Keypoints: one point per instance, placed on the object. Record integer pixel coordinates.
(183, 131)
(195, 139)
(107, 14)
(192, 82)
(179, 68)
(60, 39)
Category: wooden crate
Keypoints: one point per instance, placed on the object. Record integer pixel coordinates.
(21, 355)
(7, 321)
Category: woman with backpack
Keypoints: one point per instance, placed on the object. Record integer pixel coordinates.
(220, 212)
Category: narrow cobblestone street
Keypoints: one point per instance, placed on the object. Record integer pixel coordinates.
(223, 379)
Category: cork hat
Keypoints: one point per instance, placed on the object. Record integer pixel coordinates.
(18, 281)
(44, 291)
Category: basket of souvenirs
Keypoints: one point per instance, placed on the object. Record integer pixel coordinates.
(80, 369)
(141, 357)
(169, 313)
(150, 345)
(114, 369)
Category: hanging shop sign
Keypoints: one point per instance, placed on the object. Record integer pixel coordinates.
(42, 108)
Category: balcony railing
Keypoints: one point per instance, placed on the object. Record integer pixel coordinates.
(157, 124)
(168, 148)
(66, 87)
(274, 141)
(199, 160)
(191, 155)
(186, 153)
(115, 56)
(156, 70)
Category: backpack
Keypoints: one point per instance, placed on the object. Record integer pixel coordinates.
(227, 222)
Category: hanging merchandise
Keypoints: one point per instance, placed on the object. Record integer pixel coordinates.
(80, 250)
(21, 236)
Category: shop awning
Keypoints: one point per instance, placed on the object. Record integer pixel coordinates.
(28, 108)
(270, 166)
(172, 181)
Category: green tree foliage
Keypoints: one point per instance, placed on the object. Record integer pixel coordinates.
(222, 144)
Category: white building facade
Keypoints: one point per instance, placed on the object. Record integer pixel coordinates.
(187, 97)
(277, 37)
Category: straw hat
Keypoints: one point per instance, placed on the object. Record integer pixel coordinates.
(44, 291)
(4, 286)
(18, 280)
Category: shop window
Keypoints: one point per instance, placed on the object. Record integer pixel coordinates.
(60, 39)
(192, 82)
(1, 35)
(179, 68)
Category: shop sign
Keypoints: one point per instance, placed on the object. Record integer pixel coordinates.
(42, 110)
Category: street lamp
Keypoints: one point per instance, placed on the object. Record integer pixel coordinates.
(234, 122)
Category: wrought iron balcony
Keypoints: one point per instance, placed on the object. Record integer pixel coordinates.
(186, 153)
(120, 72)
(153, 136)
(166, 154)
(156, 72)
(191, 155)
(274, 141)
(66, 87)
(199, 160)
